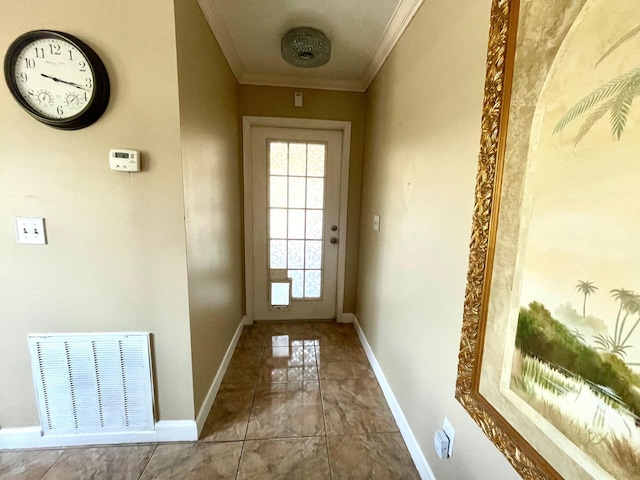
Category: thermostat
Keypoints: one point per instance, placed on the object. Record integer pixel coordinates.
(124, 160)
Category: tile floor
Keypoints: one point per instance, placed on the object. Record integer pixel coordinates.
(298, 401)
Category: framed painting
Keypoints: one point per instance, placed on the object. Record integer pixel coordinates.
(549, 362)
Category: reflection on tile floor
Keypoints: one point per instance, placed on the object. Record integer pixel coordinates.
(298, 401)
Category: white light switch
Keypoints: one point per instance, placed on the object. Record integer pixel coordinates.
(297, 99)
(376, 223)
(31, 230)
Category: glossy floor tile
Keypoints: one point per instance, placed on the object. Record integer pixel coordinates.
(122, 462)
(376, 456)
(27, 464)
(244, 366)
(342, 362)
(298, 401)
(289, 364)
(341, 334)
(304, 458)
(282, 410)
(194, 461)
(355, 405)
(229, 414)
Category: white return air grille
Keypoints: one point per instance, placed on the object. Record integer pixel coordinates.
(93, 383)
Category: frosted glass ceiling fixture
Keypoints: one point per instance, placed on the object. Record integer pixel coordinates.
(305, 48)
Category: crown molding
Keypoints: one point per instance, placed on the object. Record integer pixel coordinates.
(404, 13)
(265, 79)
(219, 28)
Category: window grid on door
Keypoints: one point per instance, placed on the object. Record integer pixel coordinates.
(296, 186)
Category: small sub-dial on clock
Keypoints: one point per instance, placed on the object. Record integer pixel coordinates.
(73, 100)
(44, 97)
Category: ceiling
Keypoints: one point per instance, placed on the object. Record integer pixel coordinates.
(362, 34)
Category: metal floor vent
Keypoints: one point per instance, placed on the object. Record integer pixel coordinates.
(93, 383)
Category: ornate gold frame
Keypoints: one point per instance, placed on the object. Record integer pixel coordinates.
(500, 59)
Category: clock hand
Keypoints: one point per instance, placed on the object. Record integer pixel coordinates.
(64, 81)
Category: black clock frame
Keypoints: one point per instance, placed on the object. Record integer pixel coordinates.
(101, 91)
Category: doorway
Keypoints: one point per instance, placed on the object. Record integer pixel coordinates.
(296, 189)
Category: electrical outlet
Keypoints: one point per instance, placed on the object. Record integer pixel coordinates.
(31, 230)
(451, 433)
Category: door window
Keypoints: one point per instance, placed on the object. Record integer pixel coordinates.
(296, 184)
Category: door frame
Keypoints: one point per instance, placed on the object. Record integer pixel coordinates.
(248, 122)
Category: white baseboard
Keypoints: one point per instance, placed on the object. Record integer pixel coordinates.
(407, 434)
(165, 431)
(31, 437)
(347, 318)
(205, 408)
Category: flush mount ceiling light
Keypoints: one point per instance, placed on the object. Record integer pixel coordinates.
(305, 48)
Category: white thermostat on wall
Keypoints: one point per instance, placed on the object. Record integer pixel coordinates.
(124, 160)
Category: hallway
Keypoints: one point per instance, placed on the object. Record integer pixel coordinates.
(298, 401)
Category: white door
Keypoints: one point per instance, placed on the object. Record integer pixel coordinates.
(295, 222)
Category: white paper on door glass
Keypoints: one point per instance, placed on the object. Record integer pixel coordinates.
(313, 254)
(295, 254)
(278, 223)
(278, 158)
(278, 192)
(296, 224)
(296, 192)
(315, 192)
(312, 283)
(315, 160)
(278, 254)
(297, 283)
(298, 159)
(314, 225)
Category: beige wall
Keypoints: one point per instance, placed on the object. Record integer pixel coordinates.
(213, 198)
(422, 142)
(116, 254)
(324, 105)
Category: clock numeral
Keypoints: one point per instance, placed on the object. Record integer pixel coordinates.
(86, 98)
(30, 62)
(30, 92)
(83, 66)
(39, 52)
(23, 77)
(55, 49)
(88, 82)
(70, 54)
(59, 110)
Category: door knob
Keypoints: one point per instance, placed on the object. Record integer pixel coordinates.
(334, 240)
(334, 228)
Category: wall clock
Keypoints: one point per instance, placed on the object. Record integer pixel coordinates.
(57, 78)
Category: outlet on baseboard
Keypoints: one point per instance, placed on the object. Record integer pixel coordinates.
(451, 433)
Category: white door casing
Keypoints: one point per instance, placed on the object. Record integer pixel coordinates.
(266, 139)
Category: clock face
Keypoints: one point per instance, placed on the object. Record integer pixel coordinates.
(54, 77)
(57, 78)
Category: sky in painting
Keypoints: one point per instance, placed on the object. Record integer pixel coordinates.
(585, 220)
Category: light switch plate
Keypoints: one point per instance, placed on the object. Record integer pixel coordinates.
(376, 223)
(30, 230)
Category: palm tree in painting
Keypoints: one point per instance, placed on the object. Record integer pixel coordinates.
(628, 301)
(614, 98)
(629, 305)
(586, 288)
